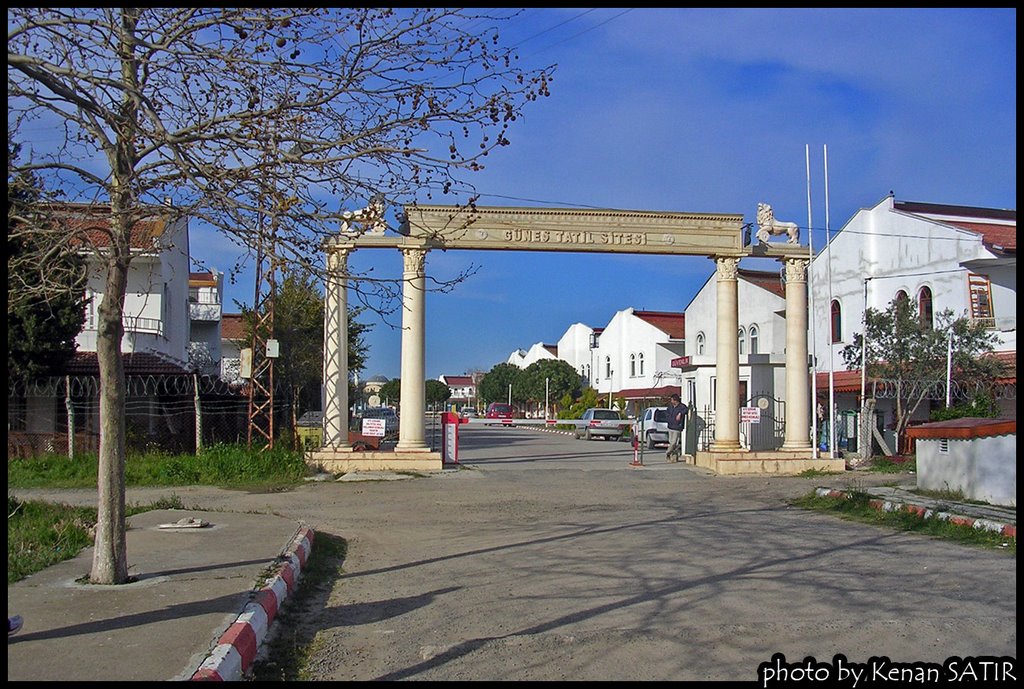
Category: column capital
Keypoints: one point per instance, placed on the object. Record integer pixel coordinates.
(413, 259)
(727, 267)
(796, 269)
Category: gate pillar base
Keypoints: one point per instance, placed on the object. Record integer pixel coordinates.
(783, 462)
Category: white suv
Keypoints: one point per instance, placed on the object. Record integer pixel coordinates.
(655, 426)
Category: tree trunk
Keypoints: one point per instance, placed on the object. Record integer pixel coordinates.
(110, 561)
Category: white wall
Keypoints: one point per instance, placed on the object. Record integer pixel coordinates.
(982, 468)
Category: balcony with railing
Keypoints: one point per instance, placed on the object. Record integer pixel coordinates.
(204, 306)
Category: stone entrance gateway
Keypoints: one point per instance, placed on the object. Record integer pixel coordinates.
(717, 236)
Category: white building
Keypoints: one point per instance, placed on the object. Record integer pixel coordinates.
(939, 256)
(205, 299)
(577, 346)
(538, 351)
(633, 357)
(156, 311)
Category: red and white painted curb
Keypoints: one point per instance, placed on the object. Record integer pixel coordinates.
(237, 647)
(1008, 530)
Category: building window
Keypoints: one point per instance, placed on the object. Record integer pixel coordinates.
(700, 344)
(981, 300)
(741, 339)
(632, 365)
(837, 321)
(924, 305)
(902, 296)
(753, 339)
(607, 367)
(640, 362)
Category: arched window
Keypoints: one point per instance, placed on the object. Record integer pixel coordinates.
(741, 337)
(607, 367)
(700, 343)
(924, 306)
(632, 365)
(640, 362)
(837, 321)
(753, 339)
(902, 296)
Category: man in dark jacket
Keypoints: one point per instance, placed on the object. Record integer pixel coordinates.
(676, 424)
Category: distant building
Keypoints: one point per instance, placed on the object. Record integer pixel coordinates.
(463, 390)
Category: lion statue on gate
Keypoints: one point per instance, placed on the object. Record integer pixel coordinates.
(769, 226)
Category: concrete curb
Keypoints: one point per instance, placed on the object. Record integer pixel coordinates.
(237, 647)
(1008, 530)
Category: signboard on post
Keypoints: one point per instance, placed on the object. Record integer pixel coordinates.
(373, 427)
(750, 415)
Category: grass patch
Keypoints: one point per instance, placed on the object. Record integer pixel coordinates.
(41, 534)
(228, 466)
(292, 643)
(856, 507)
(893, 465)
(812, 473)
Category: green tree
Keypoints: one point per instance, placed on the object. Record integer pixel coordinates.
(391, 392)
(550, 379)
(254, 121)
(494, 385)
(299, 331)
(436, 392)
(911, 354)
(45, 300)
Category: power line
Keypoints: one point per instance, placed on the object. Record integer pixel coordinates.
(577, 35)
(541, 33)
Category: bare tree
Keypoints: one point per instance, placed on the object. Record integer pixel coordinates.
(262, 123)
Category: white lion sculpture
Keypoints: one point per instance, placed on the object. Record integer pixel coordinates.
(769, 226)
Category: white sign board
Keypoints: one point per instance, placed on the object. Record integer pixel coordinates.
(750, 414)
(373, 427)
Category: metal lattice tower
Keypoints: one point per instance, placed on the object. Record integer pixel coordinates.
(261, 384)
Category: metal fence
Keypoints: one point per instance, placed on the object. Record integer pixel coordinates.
(175, 414)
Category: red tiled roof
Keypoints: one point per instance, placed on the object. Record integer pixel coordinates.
(202, 280)
(93, 221)
(843, 381)
(457, 380)
(765, 279)
(552, 349)
(135, 364)
(997, 237)
(669, 322)
(232, 327)
(963, 429)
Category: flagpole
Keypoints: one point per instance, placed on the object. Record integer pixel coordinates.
(831, 349)
(810, 306)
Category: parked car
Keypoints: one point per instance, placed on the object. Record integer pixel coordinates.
(655, 426)
(499, 410)
(600, 423)
(386, 413)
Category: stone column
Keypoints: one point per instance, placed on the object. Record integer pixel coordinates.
(727, 366)
(412, 426)
(335, 394)
(798, 411)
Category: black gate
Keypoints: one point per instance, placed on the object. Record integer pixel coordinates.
(768, 432)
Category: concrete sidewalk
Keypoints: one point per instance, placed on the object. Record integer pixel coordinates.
(201, 594)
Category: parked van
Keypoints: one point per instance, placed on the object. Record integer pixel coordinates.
(655, 426)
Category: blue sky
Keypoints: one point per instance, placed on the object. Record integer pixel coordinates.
(702, 110)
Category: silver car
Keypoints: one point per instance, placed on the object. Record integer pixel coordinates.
(655, 426)
(600, 423)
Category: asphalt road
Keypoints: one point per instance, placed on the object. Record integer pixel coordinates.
(549, 558)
